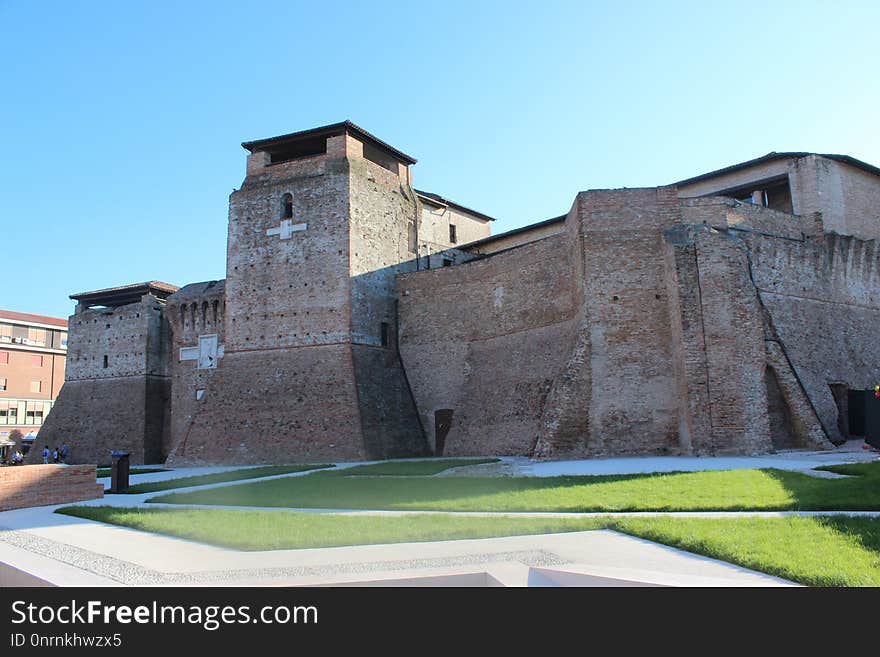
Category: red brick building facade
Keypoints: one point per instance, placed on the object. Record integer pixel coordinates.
(33, 351)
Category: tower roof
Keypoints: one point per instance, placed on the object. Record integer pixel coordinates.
(773, 155)
(125, 294)
(333, 130)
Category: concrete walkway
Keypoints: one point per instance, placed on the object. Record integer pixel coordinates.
(797, 461)
(38, 546)
(64, 551)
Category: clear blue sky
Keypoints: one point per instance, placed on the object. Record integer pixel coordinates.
(122, 121)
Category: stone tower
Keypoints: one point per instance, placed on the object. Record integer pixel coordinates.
(309, 368)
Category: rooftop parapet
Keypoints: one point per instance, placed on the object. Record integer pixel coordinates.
(123, 295)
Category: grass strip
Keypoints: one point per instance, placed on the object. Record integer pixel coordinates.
(220, 477)
(410, 468)
(816, 551)
(276, 530)
(723, 490)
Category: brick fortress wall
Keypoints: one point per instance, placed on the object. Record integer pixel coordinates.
(557, 348)
(120, 403)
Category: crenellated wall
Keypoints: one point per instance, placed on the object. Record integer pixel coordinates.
(823, 298)
(194, 311)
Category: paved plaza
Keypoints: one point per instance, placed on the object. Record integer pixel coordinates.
(39, 547)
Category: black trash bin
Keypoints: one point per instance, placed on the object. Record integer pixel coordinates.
(119, 471)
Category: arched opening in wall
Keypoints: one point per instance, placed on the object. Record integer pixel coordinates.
(192, 309)
(781, 432)
(204, 313)
(182, 316)
(442, 424)
(287, 206)
(214, 306)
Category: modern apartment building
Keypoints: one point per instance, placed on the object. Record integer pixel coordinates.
(33, 350)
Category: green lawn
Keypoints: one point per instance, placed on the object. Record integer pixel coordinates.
(711, 490)
(106, 472)
(274, 530)
(411, 468)
(815, 551)
(219, 477)
(853, 469)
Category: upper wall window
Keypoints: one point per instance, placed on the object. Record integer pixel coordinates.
(287, 206)
(297, 150)
(774, 193)
(379, 157)
(453, 237)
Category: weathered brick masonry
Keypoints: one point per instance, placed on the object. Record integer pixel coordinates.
(117, 389)
(361, 318)
(41, 485)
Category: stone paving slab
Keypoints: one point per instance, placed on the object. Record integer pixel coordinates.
(137, 558)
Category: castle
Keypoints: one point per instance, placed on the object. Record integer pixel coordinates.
(730, 313)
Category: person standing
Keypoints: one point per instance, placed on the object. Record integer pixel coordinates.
(65, 450)
(46, 454)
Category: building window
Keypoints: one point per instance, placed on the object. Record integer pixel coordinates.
(105, 361)
(2, 385)
(36, 386)
(287, 206)
(447, 262)
(383, 333)
(452, 236)
(37, 360)
(4, 357)
(37, 336)
(33, 417)
(9, 415)
(378, 156)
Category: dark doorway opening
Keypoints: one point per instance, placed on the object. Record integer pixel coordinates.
(855, 413)
(442, 424)
(872, 418)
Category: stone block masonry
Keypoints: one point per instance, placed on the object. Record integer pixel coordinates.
(42, 485)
